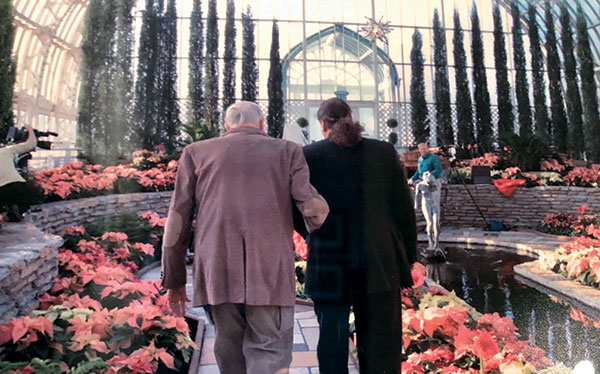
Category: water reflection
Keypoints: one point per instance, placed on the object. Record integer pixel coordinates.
(485, 279)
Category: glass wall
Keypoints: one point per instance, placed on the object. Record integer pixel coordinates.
(320, 62)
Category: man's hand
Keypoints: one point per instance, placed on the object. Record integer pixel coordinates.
(410, 182)
(177, 298)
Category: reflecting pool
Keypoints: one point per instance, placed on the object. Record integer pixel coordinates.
(485, 280)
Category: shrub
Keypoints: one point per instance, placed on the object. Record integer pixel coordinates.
(459, 176)
(392, 123)
(135, 227)
(526, 151)
(302, 122)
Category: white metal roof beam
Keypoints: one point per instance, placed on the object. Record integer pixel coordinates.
(47, 33)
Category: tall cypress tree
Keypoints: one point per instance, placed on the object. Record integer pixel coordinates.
(196, 62)
(588, 89)
(211, 83)
(91, 69)
(445, 133)
(540, 112)
(573, 97)
(145, 88)
(229, 57)
(123, 77)
(168, 104)
(559, 117)
(249, 68)
(483, 116)
(420, 121)
(96, 116)
(275, 113)
(506, 117)
(521, 85)
(7, 67)
(107, 132)
(464, 106)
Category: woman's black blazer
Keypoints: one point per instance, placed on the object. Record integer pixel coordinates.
(368, 242)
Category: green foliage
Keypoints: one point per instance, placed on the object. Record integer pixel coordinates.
(559, 117)
(551, 179)
(505, 109)
(459, 176)
(420, 120)
(196, 61)
(540, 112)
(249, 68)
(32, 193)
(136, 228)
(146, 95)
(168, 105)
(300, 271)
(211, 68)
(464, 106)
(7, 67)
(483, 116)
(573, 96)
(526, 151)
(275, 114)
(521, 85)
(302, 122)
(445, 133)
(196, 132)
(588, 89)
(229, 57)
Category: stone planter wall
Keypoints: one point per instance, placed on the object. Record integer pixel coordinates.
(55, 217)
(525, 208)
(28, 262)
(28, 266)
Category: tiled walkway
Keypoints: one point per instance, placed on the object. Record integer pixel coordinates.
(306, 331)
(306, 335)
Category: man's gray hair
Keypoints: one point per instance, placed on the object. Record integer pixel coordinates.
(243, 113)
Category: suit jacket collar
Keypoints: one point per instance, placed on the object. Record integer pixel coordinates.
(245, 130)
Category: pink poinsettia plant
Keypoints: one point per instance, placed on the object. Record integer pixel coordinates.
(578, 260)
(583, 177)
(149, 172)
(98, 316)
(442, 334)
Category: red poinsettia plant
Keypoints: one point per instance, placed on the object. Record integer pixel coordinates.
(442, 334)
(581, 223)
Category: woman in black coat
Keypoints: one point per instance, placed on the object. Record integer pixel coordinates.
(362, 255)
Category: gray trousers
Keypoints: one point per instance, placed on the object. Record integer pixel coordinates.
(253, 339)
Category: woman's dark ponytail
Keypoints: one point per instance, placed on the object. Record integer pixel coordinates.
(337, 115)
(346, 132)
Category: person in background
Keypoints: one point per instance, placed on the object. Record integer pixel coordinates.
(240, 189)
(431, 163)
(362, 255)
(12, 184)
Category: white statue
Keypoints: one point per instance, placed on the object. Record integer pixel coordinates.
(424, 193)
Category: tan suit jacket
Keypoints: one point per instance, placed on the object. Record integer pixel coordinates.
(239, 190)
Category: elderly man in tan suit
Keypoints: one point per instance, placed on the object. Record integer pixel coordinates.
(239, 189)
